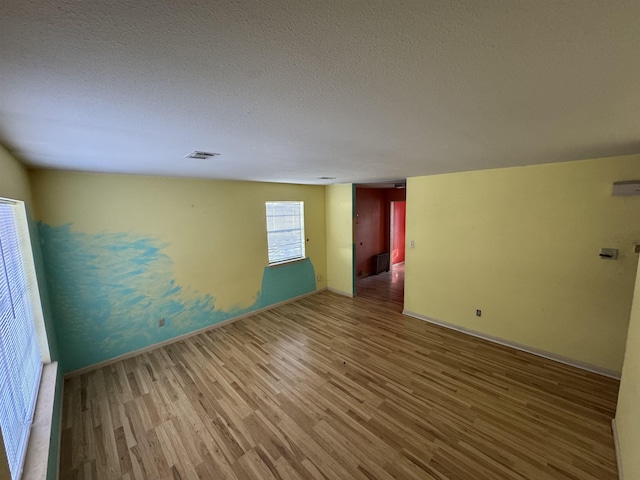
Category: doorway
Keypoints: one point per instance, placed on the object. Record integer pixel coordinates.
(379, 233)
(397, 238)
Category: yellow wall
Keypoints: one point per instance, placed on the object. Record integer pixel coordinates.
(628, 412)
(522, 245)
(339, 220)
(14, 180)
(215, 230)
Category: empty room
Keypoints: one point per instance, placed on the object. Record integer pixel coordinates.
(320, 240)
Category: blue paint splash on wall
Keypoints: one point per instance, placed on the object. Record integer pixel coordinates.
(108, 291)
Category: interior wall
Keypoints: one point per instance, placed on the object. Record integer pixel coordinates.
(395, 194)
(14, 181)
(628, 411)
(123, 252)
(522, 245)
(340, 247)
(14, 184)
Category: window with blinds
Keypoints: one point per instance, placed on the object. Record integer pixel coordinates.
(285, 231)
(20, 359)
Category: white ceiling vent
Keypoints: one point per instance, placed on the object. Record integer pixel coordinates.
(201, 155)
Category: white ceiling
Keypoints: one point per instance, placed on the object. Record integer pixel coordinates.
(290, 91)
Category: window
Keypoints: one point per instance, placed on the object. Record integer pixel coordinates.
(285, 231)
(20, 358)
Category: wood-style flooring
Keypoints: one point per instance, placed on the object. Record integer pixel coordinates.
(387, 287)
(329, 387)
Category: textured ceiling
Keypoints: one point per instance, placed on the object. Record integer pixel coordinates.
(290, 91)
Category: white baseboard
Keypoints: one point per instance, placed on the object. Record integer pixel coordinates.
(340, 292)
(616, 444)
(164, 343)
(507, 343)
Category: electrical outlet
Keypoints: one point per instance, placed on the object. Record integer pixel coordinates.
(161, 322)
(411, 244)
(318, 278)
(478, 313)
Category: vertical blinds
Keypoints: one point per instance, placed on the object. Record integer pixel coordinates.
(20, 362)
(285, 231)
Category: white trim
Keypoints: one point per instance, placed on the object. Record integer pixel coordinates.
(164, 343)
(302, 239)
(33, 290)
(40, 435)
(340, 292)
(508, 343)
(616, 444)
(287, 262)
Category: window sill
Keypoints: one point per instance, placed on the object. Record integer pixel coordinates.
(287, 262)
(35, 464)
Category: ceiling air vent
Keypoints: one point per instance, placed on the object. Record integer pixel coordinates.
(197, 154)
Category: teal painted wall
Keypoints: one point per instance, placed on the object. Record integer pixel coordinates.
(283, 282)
(108, 291)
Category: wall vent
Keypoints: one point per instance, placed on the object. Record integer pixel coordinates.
(199, 155)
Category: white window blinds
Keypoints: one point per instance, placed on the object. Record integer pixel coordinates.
(20, 361)
(285, 231)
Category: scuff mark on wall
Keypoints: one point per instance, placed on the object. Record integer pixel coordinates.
(108, 291)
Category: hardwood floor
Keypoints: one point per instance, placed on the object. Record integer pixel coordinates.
(330, 387)
(387, 287)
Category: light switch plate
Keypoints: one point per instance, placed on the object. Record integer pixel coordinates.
(609, 253)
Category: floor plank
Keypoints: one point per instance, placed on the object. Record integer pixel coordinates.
(330, 387)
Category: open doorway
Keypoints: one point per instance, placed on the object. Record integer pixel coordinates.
(398, 213)
(379, 232)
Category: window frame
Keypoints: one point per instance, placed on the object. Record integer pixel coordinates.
(22, 255)
(302, 234)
